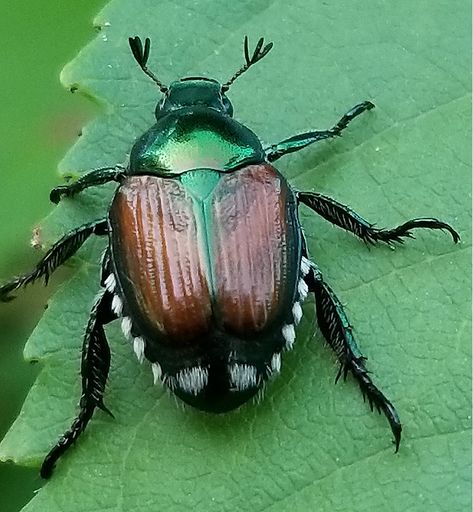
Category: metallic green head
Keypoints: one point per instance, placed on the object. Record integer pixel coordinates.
(194, 91)
(191, 92)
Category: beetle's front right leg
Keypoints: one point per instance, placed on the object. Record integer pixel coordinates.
(302, 140)
(91, 179)
(59, 253)
(94, 370)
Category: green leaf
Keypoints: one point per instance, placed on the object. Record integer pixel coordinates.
(309, 445)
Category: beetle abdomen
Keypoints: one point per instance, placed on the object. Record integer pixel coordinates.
(207, 264)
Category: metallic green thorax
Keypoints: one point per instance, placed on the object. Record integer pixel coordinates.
(194, 138)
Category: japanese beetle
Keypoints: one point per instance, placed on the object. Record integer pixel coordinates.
(206, 264)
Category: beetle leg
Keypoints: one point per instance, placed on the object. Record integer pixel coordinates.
(58, 254)
(337, 331)
(94, 370)
(91, 179)
(344, 217)
(302, 140)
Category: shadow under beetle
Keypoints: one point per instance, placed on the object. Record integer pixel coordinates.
(206, 263)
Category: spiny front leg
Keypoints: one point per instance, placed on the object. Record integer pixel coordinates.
(94, 371)
(59, 253)
(342, 216)
(337, 331)
(91, 179)
(302, 140)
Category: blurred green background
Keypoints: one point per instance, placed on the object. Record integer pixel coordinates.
(40, 120)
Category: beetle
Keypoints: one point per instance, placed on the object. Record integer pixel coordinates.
(206, 264)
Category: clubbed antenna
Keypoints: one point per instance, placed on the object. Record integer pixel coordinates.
(141, 56)
(258, 54)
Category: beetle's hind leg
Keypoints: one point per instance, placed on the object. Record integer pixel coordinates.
(58, 254)
(337, 331)
(302, 140)
(94, 371)
(347, 219)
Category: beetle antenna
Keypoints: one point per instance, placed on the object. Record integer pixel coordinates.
(141, 56)
(258, 54)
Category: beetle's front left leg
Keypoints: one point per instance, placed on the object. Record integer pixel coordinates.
(344, 217)
(94, 370)
(337, 331)
(91, 179)
(304, 139)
